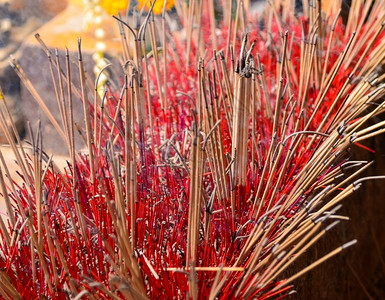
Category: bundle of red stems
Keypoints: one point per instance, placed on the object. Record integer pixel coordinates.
(218, 161)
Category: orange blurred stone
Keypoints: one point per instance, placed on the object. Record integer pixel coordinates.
(63, 30)
(331, 6)
(54, 7)
(48, 8)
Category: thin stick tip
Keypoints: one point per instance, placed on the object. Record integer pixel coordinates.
(349, 244)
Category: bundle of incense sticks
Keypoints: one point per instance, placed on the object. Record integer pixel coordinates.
(219, 161)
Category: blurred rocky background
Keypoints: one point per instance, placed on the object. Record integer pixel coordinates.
(60, 24)
(18, 18)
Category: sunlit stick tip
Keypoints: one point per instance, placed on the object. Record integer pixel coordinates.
(349, 244)
(330, 226)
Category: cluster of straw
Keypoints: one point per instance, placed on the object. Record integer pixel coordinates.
(209, 172)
